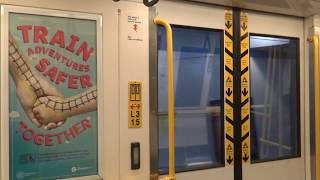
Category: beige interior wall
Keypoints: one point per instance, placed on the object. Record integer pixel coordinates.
(117, 70)
(272, 24)
(134, 66)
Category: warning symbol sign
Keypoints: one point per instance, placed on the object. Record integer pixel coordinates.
(244, 80)
(228, 80)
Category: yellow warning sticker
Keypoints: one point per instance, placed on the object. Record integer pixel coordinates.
(135, 104)
(228, 87)
(245, 89)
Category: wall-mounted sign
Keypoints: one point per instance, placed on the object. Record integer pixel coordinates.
(53, 115)
(135, 27)
(135, 104)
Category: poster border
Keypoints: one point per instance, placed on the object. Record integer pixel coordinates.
(4, 81)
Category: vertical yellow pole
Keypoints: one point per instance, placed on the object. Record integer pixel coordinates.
(170, 96)
(316, 103)
(315, 41)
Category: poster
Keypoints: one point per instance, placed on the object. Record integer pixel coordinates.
(52, 97)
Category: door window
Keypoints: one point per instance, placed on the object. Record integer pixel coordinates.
(274, 73)
(199, 122)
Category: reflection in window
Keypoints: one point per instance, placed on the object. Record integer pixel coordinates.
(274, 98)
(199, 130)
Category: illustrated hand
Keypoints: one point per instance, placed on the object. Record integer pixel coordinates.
(28, 99)
(53, 109)
(49, 109)
(29, 86)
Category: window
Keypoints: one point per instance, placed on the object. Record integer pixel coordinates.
(199, 120)
(274, 73)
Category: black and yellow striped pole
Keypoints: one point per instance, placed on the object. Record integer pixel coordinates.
(237, 91)
(228, 87)
(245, 88)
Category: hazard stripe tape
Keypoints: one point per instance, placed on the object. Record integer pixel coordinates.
(229, 120)
(244, 36)
(245, 70)
(228, 35)
(229, 103)
(245, 136)
(228, 52)
(244, 53)
(229, 71)
(244, 103)
(228, 89)
(229, 138)
(244, 119)
(245, 89)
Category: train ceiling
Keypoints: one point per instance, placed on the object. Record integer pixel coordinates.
(302, 8)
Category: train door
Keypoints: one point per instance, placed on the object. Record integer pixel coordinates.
(277, 100)
(271, 112)
(198, 44)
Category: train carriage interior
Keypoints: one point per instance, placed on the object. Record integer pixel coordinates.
(160, 89)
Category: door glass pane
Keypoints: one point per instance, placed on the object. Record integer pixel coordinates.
(274, 97)
(197, 74)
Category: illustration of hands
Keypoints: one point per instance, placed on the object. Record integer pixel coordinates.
(37, 95)
(53, 109)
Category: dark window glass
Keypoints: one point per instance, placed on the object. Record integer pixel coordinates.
(197, 74)
(274, 98)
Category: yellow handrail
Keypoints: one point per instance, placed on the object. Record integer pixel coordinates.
(315, 40)
(170, 97)
(316, 106)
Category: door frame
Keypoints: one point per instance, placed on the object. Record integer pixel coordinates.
(302, 77)
(163, 11)
(287, 27)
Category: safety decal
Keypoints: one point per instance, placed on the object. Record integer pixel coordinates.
(245, 89)
(135, 104)
(228, 87)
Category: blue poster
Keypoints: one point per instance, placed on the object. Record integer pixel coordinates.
(53, 97)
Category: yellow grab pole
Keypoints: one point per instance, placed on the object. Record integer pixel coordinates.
(315, 41)
(170, 96)
(316, 102)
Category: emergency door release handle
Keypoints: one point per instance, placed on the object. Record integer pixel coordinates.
(135, 156)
